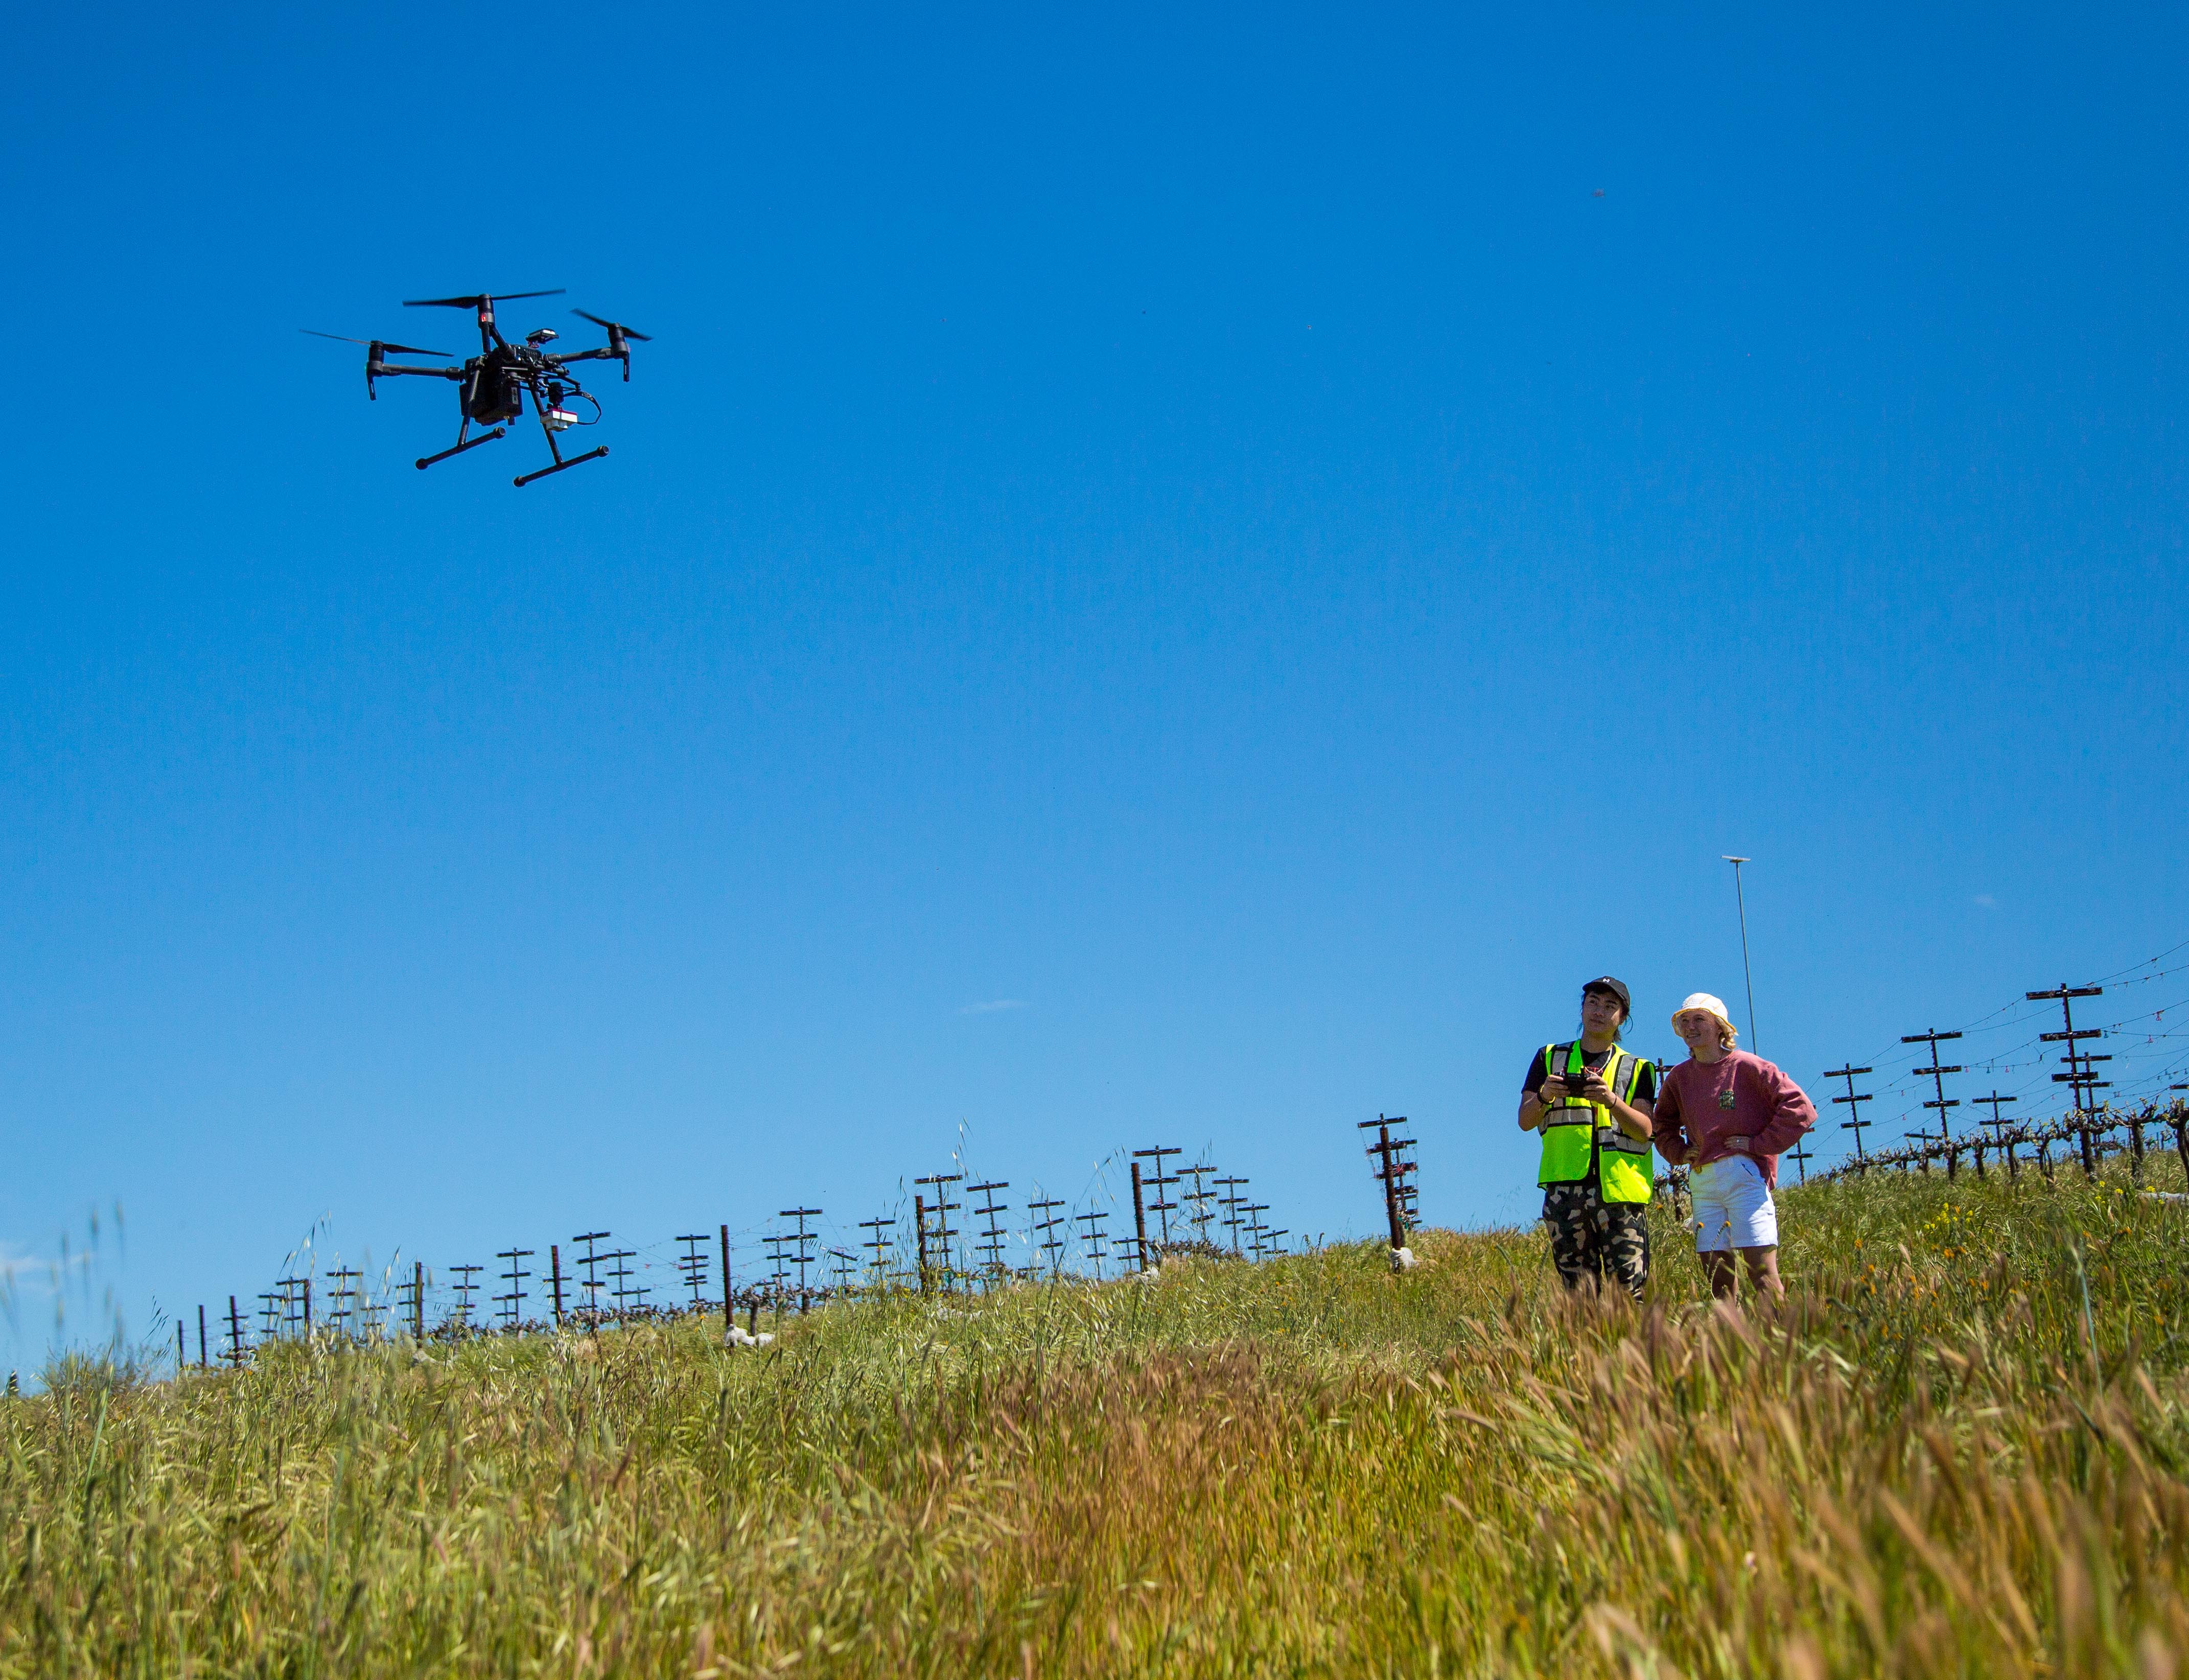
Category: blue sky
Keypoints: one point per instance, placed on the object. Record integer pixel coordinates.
(1165, 577)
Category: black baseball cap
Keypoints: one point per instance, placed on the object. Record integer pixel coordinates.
(1604, 982)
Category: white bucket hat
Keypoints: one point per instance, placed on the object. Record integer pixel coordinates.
(1703, 1000)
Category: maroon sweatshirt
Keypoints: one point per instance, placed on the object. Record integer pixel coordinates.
(1701, 1104)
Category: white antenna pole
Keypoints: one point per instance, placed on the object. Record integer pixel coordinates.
(1749, 978)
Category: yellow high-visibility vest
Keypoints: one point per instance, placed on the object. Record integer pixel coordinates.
(1577, 1130)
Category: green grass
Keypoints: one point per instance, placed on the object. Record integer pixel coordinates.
(1960, 1450)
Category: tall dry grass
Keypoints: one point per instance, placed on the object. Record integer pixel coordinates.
(1959, 1450)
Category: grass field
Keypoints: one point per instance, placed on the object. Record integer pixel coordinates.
(1960, 1451)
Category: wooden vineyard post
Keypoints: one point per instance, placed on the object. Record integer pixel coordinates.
(729, 1295)
(1854, 1123)
(991, 1248)
(2081, 1077)
(1095, 1241)
(692, 1266)
(1160, 1182)
(1139, 1220)
(2001, 1139)
(804, 1242)
(1044, 1220)
(1391, 1169)
(590, 1259)
(1937, 1073)
(513, 1303)
(941, 1230)
(1230, 1204)
(466, 1285)
(879, 1243)
(919, 1224)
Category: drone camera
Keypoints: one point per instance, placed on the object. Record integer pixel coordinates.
(559, 419)
(542, 336)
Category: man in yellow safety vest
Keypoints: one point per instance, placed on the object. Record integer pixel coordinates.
(1593, 1104)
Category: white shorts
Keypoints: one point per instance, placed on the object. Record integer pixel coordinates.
(1733, 1207)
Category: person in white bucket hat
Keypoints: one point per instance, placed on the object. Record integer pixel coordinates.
(1727, 1115)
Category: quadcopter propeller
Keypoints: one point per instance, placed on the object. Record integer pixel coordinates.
(614, 326)
(399, 349)
(478, 298)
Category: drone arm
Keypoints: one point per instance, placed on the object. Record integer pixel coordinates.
(607, 355)
(610, 354)
(376, 369)
(389, 370)
(618, 348)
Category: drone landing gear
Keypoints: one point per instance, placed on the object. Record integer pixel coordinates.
(560, 465)
(426, 461)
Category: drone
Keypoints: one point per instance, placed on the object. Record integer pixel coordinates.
(496, 382)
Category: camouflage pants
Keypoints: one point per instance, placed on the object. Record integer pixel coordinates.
(1590, 1237)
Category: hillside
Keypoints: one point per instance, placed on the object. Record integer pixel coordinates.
(1962, 1450)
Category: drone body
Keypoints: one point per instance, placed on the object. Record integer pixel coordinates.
(492, 386)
